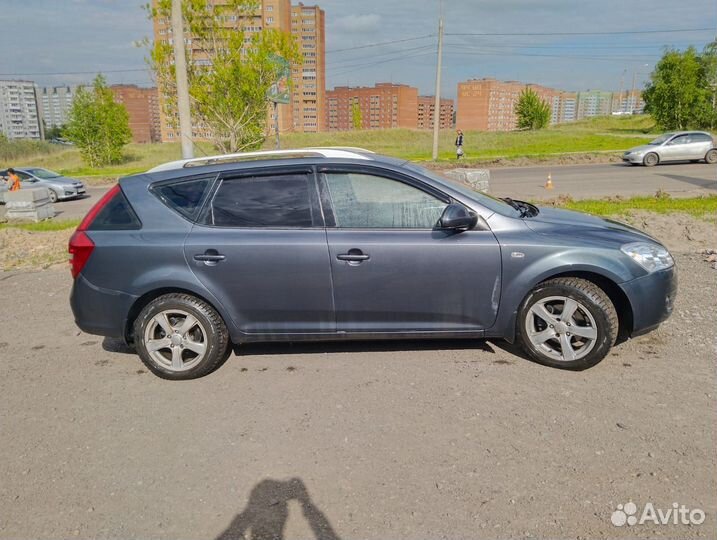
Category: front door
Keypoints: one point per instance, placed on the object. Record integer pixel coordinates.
(262, 251)
(393, 271)
(677, 149)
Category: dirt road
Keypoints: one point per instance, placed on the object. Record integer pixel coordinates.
(412, 440)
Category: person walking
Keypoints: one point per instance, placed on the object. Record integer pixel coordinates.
(459, 144)
(13, 183)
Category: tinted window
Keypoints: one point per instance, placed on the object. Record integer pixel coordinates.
(701, 137)
(682, 139)
(185, 197)
(373, 202)
(263, 201)
(116, 215)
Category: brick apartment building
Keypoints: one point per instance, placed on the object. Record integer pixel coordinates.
(489, 104)
(142, 105)
(383, 106)
(426, 109)
(307, 24)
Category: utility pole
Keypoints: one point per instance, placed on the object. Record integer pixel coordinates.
(632, 92)
(180, 67)
(437, 106)
(622, 87)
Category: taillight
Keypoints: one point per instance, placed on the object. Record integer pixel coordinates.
(81, 245)
(80, 249)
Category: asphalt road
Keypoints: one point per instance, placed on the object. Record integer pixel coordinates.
(411, 440)
(597, 181)
(578, 181)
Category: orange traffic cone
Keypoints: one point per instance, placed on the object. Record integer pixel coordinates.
(549, 183)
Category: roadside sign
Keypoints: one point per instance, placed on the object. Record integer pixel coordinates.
(279, 92)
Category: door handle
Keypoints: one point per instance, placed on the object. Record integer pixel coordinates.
(354, 256)
(209, 257)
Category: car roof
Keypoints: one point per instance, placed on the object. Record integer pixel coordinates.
(333, 152)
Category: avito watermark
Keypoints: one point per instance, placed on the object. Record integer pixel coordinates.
(678, 514)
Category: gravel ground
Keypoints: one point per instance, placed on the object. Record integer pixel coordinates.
(449, 439)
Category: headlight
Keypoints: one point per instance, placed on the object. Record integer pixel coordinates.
(651, 257)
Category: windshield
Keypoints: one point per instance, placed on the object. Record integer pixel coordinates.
(661, 139)
(491, 203)
(43, 174)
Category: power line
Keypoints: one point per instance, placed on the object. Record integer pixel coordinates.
(380, 44)
(346, 62)
(74, 72)
(614, 33)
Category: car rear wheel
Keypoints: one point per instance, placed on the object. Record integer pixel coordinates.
(711, 157)
(568, 323)
(180, 337)
(650, 160)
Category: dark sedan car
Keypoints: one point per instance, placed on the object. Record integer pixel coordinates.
(197, 256)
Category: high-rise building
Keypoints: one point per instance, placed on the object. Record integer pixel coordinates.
(489, 104)
(564, 108)
(55, 103)
(19, 114)
(309, 79)
(306, 23)
(629, 102)
(142, 105)
(383, 106)
(594, 103)
(426, 112)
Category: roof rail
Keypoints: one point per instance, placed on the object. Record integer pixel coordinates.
(325, 152)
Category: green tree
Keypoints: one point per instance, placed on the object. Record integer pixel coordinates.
(228, 76)
(98, 125)
(532, 112)
(356, 115)
(55, 132)
(709, 63)
(678, 95)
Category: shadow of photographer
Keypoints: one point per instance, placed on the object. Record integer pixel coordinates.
(267, 512)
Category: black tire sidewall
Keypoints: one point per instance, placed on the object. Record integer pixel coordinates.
(604, 340)
(217, 339)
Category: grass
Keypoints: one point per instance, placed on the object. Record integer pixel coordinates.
(699, 207)
(604, 134)
(44, 226)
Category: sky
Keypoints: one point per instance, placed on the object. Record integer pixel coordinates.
(55, 42)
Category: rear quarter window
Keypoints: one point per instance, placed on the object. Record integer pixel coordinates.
(184, 196)
(116, 215)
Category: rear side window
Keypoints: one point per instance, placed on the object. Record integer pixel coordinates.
(116, 215)
(263, 201)
(701, 137)
(185, 196)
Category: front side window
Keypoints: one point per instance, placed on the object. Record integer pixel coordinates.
(365, 201)
(263, 201)
(682, 139)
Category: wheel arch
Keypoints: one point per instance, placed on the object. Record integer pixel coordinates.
(142, 301)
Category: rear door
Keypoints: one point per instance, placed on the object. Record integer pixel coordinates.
(261, 248)
(393, 271)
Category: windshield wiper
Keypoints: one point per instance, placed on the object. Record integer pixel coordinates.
(520, 206)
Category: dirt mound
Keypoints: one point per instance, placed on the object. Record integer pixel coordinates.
(20, 249)
(681, 233)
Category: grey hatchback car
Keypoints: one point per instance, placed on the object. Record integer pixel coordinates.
(195, 257)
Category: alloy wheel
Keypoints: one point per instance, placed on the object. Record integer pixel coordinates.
(175, 340)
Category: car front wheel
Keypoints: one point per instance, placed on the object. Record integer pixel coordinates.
(650, 160)
(53, 196)
(567, 323)
(181, 337)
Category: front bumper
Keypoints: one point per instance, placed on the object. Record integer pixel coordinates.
(98, 310)
(632, 158)
(71, 193)
(652, 298)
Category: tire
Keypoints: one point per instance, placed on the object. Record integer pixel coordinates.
(198, 343)
(651, 159)
(593, 313)
(711, 156)
(53, 196)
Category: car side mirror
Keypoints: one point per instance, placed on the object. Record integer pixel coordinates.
(457, 217)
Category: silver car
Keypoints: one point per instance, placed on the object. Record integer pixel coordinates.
(679, 146)
(60, 187)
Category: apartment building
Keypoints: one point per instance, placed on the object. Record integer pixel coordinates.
(308, 104)
(142, 105)
(629, 102)
(426, 112)
(489, 105)
(19, 114)
(383, 106)
(594, 103)
(564, 107)
(55, 103)
(307, 24)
